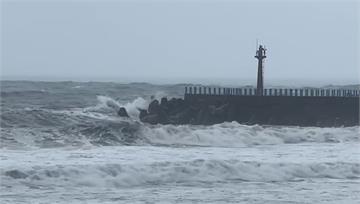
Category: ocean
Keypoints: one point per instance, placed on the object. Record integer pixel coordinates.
(62, 142)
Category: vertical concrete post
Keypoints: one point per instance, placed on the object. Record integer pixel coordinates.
(275, 92)
(185, 89)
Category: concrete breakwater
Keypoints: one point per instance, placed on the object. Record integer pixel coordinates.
(303, 107)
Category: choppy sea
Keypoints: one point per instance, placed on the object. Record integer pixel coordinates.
(62, 142)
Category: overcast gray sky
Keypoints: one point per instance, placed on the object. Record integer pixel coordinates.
(179, 39)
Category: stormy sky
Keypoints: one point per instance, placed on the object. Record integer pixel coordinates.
(179, 41)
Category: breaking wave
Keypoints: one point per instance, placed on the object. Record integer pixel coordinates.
(193, 171)
(104, 133)
(234, 134)
(99, 125)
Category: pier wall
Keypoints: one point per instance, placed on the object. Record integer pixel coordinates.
(282, 110)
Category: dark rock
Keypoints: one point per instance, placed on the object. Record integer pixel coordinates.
(16, 174)
(142, 114)
(123, 113)
(164, 101)
(154, 107)
(151, 119)
(181, 117)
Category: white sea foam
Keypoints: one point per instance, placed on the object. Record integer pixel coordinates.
(133, 107)
(234, 134)
(199, 170)
(105, 103)
(109, 105)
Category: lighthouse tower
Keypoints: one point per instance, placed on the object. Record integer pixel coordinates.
(260, 55)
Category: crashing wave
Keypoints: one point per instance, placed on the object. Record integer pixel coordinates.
(234, 134)
(199, 170)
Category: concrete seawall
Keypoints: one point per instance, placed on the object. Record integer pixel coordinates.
(281, 110)
(295, 107)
